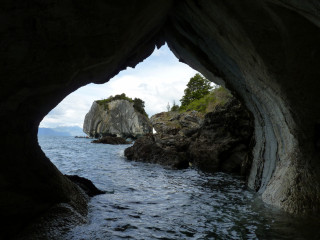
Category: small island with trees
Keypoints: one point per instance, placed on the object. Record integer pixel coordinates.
(211, 130)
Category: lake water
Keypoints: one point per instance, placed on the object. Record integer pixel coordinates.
(148, 201)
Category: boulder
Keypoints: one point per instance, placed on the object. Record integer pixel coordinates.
(148, 149)
(116, 118)
(86, 185)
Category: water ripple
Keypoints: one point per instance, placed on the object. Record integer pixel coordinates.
(147, 201)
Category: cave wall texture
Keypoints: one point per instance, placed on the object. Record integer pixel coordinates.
(266, 52)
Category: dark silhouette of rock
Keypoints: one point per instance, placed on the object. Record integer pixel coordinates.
(86, 185)
(220, 143)
(223, 141)
(111, 140)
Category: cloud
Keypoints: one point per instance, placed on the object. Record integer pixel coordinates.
(158, 80)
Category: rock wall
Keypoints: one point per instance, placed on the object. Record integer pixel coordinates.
(48, 50)
(117, 118)
(265, 51)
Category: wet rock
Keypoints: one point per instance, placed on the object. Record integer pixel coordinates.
(86, 185)
(111, 140)
(147, 149)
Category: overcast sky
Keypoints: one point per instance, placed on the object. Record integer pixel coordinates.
(159, 79)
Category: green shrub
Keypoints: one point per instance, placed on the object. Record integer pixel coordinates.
(138, 104)
(175, 108)
(209, 102)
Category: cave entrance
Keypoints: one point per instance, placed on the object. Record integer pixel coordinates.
(265, 51)
(159, 80)
(164, 194)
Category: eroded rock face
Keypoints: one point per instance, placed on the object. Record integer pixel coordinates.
(266, 52)
(117, 118)
(222, 142)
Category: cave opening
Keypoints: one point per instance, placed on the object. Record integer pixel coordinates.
(266, 52)
(122, 196)
(72, 156)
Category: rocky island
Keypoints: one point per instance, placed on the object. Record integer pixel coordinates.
(118, 116)
(218, 139)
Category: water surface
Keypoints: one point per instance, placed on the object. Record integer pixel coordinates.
(148, 201)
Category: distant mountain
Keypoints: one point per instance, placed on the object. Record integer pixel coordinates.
(51, 132)
(61, 131)
(73, 130)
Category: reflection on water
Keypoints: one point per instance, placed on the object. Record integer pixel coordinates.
(147, 201)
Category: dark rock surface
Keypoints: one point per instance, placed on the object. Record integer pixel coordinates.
(267, 52)
(48, 51)
(222, 142)
(86, 185)
(111, 140)
(148, 149)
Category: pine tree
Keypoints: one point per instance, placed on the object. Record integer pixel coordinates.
(197, 87)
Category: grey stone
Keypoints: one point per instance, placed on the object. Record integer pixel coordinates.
(118, 118)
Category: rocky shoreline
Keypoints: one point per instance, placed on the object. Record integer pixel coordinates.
(111, 140)
(221, 140)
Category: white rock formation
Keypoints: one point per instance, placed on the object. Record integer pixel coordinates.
(115, 118)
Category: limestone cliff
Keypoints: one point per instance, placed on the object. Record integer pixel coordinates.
(117, 117)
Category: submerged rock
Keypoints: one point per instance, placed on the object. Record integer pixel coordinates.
(111, 140)
(118, 118)
(218, 142)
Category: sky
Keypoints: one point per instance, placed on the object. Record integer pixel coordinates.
(158, 80)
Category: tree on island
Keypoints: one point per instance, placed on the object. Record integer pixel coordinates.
(138, 103)
(197, 87)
